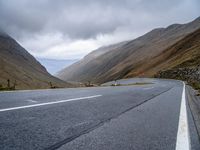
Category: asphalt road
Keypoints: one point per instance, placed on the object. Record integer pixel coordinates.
(134, 117)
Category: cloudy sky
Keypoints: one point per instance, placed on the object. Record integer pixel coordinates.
(69, 29)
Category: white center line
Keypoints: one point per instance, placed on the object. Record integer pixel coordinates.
(183, 137)
(49, 103)
(148, 88)
(32, 101)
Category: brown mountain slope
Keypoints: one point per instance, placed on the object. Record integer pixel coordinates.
(80, 65)
(17, 65)
(184, 63)
(183, 54)
(128, 60)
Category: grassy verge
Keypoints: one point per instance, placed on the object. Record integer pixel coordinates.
(6, 89)
(196, 86)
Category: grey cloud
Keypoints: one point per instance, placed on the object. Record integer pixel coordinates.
(80, 19)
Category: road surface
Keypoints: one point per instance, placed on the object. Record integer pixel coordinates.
(135, 117)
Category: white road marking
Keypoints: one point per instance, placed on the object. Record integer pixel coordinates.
(32, 101)
(148, 88)
(183, 137)
(49, 103)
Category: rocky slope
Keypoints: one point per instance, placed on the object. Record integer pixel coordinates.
(20, 69)
(139, 57)
(184, 61)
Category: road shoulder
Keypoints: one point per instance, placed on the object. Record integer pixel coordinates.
(194, 106)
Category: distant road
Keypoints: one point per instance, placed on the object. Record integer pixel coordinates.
(152, 116)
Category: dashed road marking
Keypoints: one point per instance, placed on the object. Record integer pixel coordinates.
(48, 103)
(148, 88)
(32, 101)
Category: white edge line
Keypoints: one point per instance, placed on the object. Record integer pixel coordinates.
(49, 103)
(183, 137)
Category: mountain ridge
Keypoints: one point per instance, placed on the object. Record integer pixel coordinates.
(22, 69)
(118, 63)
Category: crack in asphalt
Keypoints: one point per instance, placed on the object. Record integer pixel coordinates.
(99, 124)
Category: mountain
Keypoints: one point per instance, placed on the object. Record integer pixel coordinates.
(69, 72)
(22, 69)
(130, 59)
(183, 60)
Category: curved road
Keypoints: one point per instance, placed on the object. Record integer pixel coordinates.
(129, 117)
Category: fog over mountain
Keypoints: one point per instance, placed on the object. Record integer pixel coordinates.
(142, 56)
(66, 29)
(71, 29)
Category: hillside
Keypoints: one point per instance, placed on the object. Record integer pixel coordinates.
(184, 53)
(78, 67)
(21, 69)
(133, 58)
(183, 60)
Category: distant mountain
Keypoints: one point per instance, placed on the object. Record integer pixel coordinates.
(130, 59)
(75, 69)
(22, 69)
(55, 65)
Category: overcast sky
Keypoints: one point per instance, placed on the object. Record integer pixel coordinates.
(69, 29)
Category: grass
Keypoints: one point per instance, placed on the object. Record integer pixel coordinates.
(6, 89)
(196, 85)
